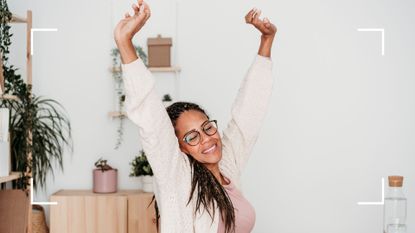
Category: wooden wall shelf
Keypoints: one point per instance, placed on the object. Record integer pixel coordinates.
(117, 114)
(154, 69)
(18, 19)
(9, 97)
(12, 176)
(165, 69)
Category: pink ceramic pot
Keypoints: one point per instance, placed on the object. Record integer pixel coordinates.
(105, 181)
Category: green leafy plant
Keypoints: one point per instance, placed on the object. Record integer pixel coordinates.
(39, 127)
(166, 97)
(102, 165)
(140, 166)
(120, 95)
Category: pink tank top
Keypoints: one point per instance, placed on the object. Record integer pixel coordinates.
(244, 211)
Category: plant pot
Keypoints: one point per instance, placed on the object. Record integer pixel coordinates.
(167, 103)
(39, 220)
(147, 183)
(105, 181)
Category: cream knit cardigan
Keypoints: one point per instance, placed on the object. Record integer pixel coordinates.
(171, 167)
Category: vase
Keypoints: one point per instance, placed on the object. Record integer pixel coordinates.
(4, 142)
(4, 124)
(105, 181)
(147, 182)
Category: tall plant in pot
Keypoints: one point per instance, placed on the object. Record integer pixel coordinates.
(141, 167)
(40, 128)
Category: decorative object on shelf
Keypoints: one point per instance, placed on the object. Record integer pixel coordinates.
(141, 167)
(4, 142)
(5, 158)
(167, 100)
(105, 177)
(119, 89)
(39, 127)
(4, 124)
(159, 51)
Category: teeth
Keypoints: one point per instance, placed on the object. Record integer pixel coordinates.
(210, 149)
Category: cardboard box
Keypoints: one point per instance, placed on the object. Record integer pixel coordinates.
(159, 51)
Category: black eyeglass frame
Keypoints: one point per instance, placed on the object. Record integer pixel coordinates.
(203, 129)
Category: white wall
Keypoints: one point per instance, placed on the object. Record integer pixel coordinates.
(342, 116)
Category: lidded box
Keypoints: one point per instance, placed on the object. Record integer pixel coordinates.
(159, 51)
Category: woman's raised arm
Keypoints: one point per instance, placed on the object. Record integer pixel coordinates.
(251, 103)
(145, 108)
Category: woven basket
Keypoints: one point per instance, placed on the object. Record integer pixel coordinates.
(39, 220)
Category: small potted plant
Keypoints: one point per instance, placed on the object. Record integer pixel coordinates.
(141, 168)
(167, 100)
(105, 177)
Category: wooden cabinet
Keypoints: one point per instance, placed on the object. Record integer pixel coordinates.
(82, 211)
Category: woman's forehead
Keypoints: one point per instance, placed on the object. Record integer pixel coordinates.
(189, 120)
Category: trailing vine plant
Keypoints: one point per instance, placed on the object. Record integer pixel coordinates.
(119, 91)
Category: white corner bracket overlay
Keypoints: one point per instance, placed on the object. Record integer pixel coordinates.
(39, 30)
(381, 30)
(379, 202)
(38, 203)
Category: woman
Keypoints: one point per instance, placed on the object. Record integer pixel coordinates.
(196, 171)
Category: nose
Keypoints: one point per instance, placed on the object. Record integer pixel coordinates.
(204, 138)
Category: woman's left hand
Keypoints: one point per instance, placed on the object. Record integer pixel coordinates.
(267, 29)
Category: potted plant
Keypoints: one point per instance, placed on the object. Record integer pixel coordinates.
(105, 177)
(141, 167)
(167, 100)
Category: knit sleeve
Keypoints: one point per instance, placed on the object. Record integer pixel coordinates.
(248, 112)
(145, 108)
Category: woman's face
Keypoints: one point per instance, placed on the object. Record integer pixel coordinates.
(209, 149)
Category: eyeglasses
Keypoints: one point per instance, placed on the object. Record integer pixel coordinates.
(193, 137)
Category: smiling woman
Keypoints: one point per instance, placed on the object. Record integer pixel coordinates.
(184, 148)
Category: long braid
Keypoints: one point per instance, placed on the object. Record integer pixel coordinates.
(210, 193)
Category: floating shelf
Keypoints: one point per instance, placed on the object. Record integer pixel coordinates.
(18, 19)
(12, 176)
(117, 114)
(9, 97)
(165, 69)
(154, 69)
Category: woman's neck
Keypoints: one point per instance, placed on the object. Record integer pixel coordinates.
(214, 168)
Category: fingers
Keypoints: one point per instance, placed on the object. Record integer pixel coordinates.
(146, 10)
(248, 17)
(127, 15)
(266, 23)
(257, 13)
(253, 16)
(135, 8)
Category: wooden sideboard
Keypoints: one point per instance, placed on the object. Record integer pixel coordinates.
(82, 211)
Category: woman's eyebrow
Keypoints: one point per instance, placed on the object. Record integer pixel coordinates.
(204, 123)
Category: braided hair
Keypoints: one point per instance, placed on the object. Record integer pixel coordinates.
(208, 190)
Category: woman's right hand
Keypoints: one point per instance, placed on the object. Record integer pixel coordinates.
(130, 25)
